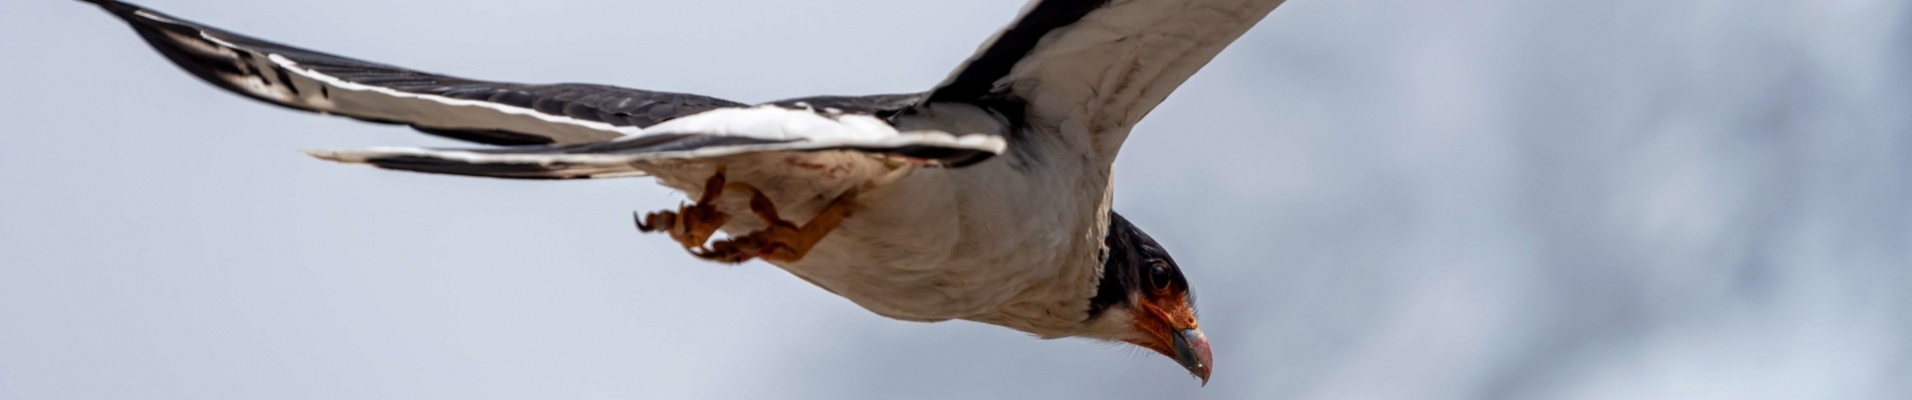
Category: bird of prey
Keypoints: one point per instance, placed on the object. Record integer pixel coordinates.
(986, 198)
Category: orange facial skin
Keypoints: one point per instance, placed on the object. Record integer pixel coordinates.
(1165, 315)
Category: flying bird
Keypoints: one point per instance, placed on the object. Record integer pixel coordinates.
(986, 198)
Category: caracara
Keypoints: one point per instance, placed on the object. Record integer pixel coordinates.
(985, 198)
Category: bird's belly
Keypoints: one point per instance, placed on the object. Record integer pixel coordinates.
(959, 244)
(927, 244)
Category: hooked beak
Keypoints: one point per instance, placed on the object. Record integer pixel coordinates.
(1191, 350)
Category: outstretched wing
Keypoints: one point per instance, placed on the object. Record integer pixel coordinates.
(1096, 67)
(458, 108)
(591, 130)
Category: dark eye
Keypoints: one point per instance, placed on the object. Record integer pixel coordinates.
(1158, 275)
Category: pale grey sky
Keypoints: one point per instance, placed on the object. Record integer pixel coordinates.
(1378, 199)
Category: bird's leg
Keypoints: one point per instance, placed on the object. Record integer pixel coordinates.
(692, 224)
(782, 240)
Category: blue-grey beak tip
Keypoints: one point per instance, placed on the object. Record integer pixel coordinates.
(1191, 350)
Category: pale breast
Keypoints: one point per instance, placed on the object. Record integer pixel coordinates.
(992, 242)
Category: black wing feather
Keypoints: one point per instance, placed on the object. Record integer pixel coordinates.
(233, 62)
(977, 79)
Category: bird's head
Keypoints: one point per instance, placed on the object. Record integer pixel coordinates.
(1144, 300)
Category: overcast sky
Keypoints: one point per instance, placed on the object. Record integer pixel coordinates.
(1374, 199)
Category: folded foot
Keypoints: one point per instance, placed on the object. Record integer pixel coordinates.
(782, 241)
(692, 224)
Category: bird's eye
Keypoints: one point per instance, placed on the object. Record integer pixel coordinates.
(1158, 275)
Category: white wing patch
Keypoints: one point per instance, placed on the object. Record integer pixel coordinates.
(773, 128)
(770, 122)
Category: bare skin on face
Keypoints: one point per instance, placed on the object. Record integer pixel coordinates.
(1166, 317)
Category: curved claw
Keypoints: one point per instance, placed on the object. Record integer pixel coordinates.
(732, 251)
(653, 222)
